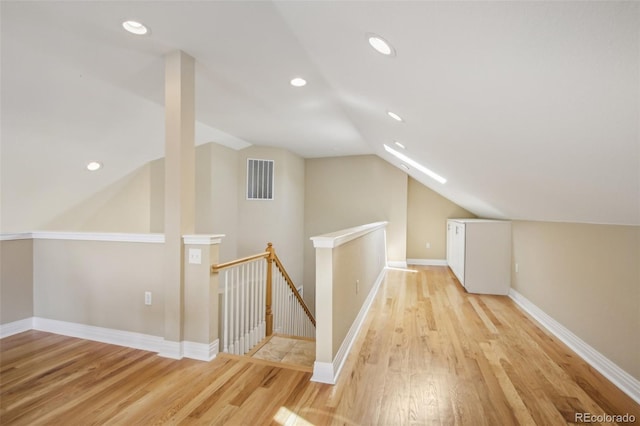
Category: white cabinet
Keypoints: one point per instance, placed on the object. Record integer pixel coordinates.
(479, 254)
(455, 248)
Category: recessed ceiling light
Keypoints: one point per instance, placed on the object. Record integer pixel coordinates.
(395, 116)
(298, 82)
(399, 145)
(413, 163)
(135, 27)
(380, 45)
(93, 166)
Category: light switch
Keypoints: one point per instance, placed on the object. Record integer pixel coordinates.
(195, 256)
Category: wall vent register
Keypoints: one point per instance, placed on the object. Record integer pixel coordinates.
(260, 179)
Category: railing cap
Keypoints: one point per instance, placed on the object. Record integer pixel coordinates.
(335, 239)
(203, 239)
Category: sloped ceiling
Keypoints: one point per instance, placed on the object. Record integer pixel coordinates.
(531, 110)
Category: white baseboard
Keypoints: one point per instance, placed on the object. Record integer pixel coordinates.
(16, 327)
(145, 342)
(170, 349)
(200, 351)
(129, 339)
(396, 264)
(427, 262)
(325, 372)
(623, 380)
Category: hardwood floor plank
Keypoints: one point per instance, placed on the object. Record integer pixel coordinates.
(428, 354)
(423, 400)
(224, 392)
(71, 367)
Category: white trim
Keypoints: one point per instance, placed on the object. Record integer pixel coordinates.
(85, 236)
(427, 262)
(323, 373)
(16, 236)
(329, 372)
(98, 236)
(145, 342)
(16, 327)
(335, 239)
(203, 239)
(623, 380)
(200, 351)
(171, 349)
(129, 339)
(396, 264)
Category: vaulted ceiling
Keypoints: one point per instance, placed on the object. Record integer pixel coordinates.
(531, 110)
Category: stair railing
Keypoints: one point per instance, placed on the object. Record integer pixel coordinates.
(253, 291)
(292, 316)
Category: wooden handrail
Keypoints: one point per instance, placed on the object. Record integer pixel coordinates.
(293, 288)
(220, 266)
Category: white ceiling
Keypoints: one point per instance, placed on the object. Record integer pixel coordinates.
(531, 110)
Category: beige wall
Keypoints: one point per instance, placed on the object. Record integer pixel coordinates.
(217, 188)
(586, 277)
(135, 204)
(427, 214)
(279, 221)
(222, 207)
(100, 284)
(16, 280)
(362, 260)
(339, 298)
(217, 196)
(342, 192)
(123, 206)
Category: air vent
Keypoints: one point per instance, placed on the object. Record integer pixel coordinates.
(259, 179)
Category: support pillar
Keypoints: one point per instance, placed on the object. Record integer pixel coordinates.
(179, 203)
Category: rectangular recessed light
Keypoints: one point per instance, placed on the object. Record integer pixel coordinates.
(395, 116)
(415, 164)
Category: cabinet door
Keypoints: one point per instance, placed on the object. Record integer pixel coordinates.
(459, 251)
(450, 234)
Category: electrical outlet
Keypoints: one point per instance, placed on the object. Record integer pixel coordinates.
(147, 298)
(195, 256)
(357, 286)
(428, 245)
(517, 268)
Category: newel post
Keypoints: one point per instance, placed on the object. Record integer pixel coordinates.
(269, 313)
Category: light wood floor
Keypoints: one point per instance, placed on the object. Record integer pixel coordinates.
(428, 353)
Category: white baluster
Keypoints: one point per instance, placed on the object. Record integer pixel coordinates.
(249, 308)
(226, 313)
(232, 289)
(261, 288)
(280, 307)
(236, 309)
(256, 306)
(243, 296)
